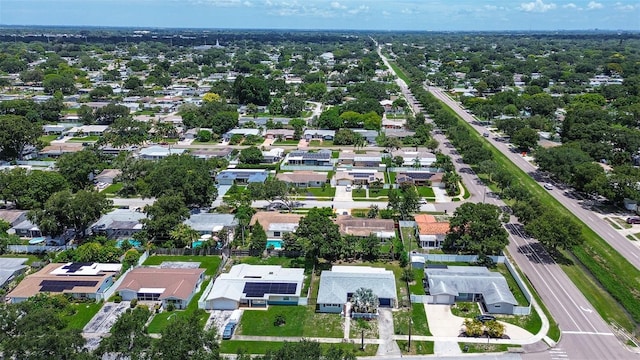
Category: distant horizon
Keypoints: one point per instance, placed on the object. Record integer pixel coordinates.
(327, 15)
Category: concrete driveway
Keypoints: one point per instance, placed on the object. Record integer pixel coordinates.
(342, 194)
(443, 323)
(387, 346)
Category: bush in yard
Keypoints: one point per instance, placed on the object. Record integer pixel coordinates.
(171, 307)
(494, 329)
(473, 328)
(134, 302)
(117, 299)
(280, 320)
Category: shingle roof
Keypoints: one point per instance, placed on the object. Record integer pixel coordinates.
(471, 280)
(178, 283)
(335, 285)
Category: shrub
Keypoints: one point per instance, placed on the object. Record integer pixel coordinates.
(134, 303)
(117, 299)
(473, 327)
(494, 329)
(171, 307)
(280, 320)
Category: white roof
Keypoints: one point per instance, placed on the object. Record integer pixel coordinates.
(231, 285)
(161, 151)
(88, 269)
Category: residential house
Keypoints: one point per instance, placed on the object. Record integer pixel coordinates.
(170, 286)
(79, 280)
(276, 224)
(119, 224)
(87, 130)
(261, 121)
(273, 155)
(284, 134)
(367, 160)
(316, 134)
(413, 158)
(13, 217)
(10, 268)
(241, 176)
(303, 178)
(358, 177)
(397, 133)
(306, 158)
(338, 285)
(393, 124)
(157, 152)
(53, 129)
(383, 229)
(255, 286)
(224, 153)
(243, 132)
(57, 150)
(448, 284)
(430, 232)
(211, 223)
(387, 105)
(368, 135)
(420, 178)
(26, 229)
(108, 176)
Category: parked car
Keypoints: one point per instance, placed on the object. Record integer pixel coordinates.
(227, 333)
(484, 318)
(548, 186)
(486, 134)
(423, 201)
(633, 220)
(348, 187)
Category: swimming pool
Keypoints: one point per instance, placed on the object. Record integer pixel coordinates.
(197, 244)
(276, 243)
(134, 243)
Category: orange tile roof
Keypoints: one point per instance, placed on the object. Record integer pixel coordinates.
(424, 218)
(436, 228)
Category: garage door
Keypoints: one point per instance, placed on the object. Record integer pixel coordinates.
(385, 302)
(344, 182)
(442, 299)
(223, 304)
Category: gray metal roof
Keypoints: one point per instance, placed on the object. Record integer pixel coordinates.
(207, 221)
(9, 267)
(471, 280)
(334, 286)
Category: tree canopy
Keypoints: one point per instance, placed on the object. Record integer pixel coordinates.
(476, 229)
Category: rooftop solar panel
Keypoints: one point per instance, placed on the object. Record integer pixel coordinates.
(255, 289)
(61, 285)
(73, 267)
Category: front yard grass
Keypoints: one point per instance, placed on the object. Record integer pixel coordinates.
(426, 191)
(210, 263)
(532, 323)
(358, 193)
(286, 142)
(374, 193)
(484, 348)
(327, 192)
(262, 347)
(112, 189)
(84, 313)
(47, 139)
(417, 347)
(417, 314)
(370, 328)
(91, 138)
(299, 321)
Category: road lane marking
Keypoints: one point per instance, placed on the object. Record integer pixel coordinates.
(587, 333)
(586, 309)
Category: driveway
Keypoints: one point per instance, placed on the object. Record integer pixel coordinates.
(342, 194)
(387, 346)
(105, 318)
(443, 323)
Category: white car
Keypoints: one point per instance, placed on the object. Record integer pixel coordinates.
(348, 187)
(548, 186)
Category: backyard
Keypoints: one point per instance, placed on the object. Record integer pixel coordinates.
(210, 263)
(85, 311)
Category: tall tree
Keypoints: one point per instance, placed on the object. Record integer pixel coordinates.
(555, 230)
(476, 229)
(320, 235)
(164, 215)
(78, 168)
(258, 238)
(16, 133)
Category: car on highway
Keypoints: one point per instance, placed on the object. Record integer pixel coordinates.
(485, 317)
(227, 333)
(548, 186)
(485, 134)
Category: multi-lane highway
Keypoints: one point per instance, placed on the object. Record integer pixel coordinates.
(585, 335)
(625, 247)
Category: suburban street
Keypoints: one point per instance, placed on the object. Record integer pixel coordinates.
(625, 247)
(585, 335)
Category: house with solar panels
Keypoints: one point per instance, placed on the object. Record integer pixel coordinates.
(79, 280)
(255, 286)
(321, 158)
(338, 285)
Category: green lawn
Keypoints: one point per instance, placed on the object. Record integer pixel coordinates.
(31, 258)
(420, 325)
(409, 236)
(47, 139)
(358, 193)
(299, 321)
(160, 321)
(374, 193)
(321, 143)
(417, 347)
(417, 287)
(531, 323)
(396, 68)
(363, 327)
(327, 192)
(85, 312)
(262, 347)
(604, 268)
(483, 348)
(315, 143)
(287, 142)
(426, 191)
(84, 139)
(392, 178)
(211, 263)
(113, 188)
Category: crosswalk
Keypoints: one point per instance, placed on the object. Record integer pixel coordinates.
(558, 354)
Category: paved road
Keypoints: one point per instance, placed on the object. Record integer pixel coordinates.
(585, 333)
(625, 247)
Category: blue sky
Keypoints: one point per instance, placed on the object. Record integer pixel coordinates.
(330, 14)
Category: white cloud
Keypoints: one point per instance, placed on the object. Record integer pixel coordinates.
(594, 5)
(359, 9)
(337, 5)
(491, 7)
(385, 13)
(625, 7)
(570, 6)
(537, 6)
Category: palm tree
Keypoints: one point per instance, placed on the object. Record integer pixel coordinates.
(416, 163)
(183, 235)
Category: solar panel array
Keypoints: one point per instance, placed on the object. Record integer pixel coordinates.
(61, 285)
(311, 156)
(73, 267)
(257, 289)
(419, 176)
